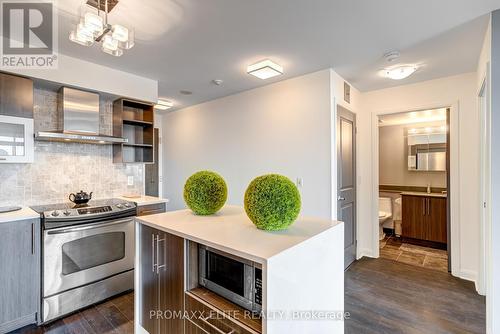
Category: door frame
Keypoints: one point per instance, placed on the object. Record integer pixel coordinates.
(335, 193)
(484, 279)
(453, 187)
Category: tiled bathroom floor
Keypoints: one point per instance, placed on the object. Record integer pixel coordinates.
(393, 249)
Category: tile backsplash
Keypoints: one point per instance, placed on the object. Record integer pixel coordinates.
(62, 168)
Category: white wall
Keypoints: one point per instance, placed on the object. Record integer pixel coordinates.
(494, 291)
(280, 128)
(459, 91)
(79, 73)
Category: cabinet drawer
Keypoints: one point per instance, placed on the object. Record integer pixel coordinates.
(191, 328)
(151, 209)
(211, 320)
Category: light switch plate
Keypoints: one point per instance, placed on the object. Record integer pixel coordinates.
(130, 180)
(299, 182)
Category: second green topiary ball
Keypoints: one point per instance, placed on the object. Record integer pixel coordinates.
(205, 192)
(272, 202)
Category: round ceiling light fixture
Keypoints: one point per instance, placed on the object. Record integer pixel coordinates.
(399, 72)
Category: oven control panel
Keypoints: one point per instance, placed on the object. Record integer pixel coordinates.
(68, 212)
(89, 211)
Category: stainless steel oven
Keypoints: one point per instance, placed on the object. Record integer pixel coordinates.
(88, 256)
(236, 279)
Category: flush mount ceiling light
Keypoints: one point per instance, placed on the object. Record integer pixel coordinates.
(265, 69)
(399, 72)
(94, 27)
(163, 105)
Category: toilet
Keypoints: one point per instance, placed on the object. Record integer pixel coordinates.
(384, 213)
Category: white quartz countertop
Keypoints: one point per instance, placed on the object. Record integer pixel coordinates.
(230, 230)
(418, 193)
(144, 200)
(23, 214)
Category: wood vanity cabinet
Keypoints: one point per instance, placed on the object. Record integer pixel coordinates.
(161, 280)
(424, 219)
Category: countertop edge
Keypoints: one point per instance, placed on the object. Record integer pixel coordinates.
(203, 241)
(410, 193)
(25, 213)
(145, 200)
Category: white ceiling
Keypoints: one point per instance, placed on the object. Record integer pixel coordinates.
(414, 117)
(185, 44)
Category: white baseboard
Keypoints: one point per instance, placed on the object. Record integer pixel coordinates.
(364, 252)
(469, 275)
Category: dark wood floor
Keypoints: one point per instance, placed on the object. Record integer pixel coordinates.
(381, 296)
(113, 316)
(385, 296)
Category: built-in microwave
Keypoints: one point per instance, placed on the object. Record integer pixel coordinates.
(236, 279)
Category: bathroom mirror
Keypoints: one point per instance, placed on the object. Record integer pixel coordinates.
(426, 149)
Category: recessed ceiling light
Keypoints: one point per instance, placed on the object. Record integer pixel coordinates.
(217, 82)
(265, 69)
(185, 92)
(163, 104)
(399, 72)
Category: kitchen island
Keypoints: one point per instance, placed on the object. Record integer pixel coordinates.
(302, 274)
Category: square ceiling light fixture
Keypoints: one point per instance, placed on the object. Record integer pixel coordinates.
(163, 105)
(265, 69)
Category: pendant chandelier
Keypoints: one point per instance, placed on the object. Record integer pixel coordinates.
(94, 27)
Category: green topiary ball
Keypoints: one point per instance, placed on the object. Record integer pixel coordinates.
(272, 202)
(205, 192)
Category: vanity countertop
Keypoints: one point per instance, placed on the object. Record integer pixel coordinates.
(418, 193)
(144, 200)
(231, 231)
(23, 214)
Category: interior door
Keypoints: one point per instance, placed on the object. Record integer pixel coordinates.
(346, 180)
(152, 172)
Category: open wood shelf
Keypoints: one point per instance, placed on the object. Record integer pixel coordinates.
(136, 122)
(138, 145)
(227, 307)
(133, 120)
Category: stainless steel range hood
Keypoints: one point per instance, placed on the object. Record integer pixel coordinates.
(78, 119)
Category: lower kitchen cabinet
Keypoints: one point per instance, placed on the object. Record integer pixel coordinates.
(191, 328)
(161, 281)
(19, 274)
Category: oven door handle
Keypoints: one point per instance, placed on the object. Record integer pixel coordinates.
(88, 227)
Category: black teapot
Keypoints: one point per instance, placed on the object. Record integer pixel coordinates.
(80, 198)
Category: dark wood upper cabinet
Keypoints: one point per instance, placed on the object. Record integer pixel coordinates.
(424, 219)
(16, 96)
(133, 120)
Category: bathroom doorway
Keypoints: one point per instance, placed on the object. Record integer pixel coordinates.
(413, 175)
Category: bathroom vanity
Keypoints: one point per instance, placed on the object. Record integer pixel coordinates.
(299, 287)
(424, 218)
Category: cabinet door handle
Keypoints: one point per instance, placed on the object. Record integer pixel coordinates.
(3, 159)
(217, 329)
(158, 266)
(33, 241)
(153, 239)
(428, 206)
(424, 207)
